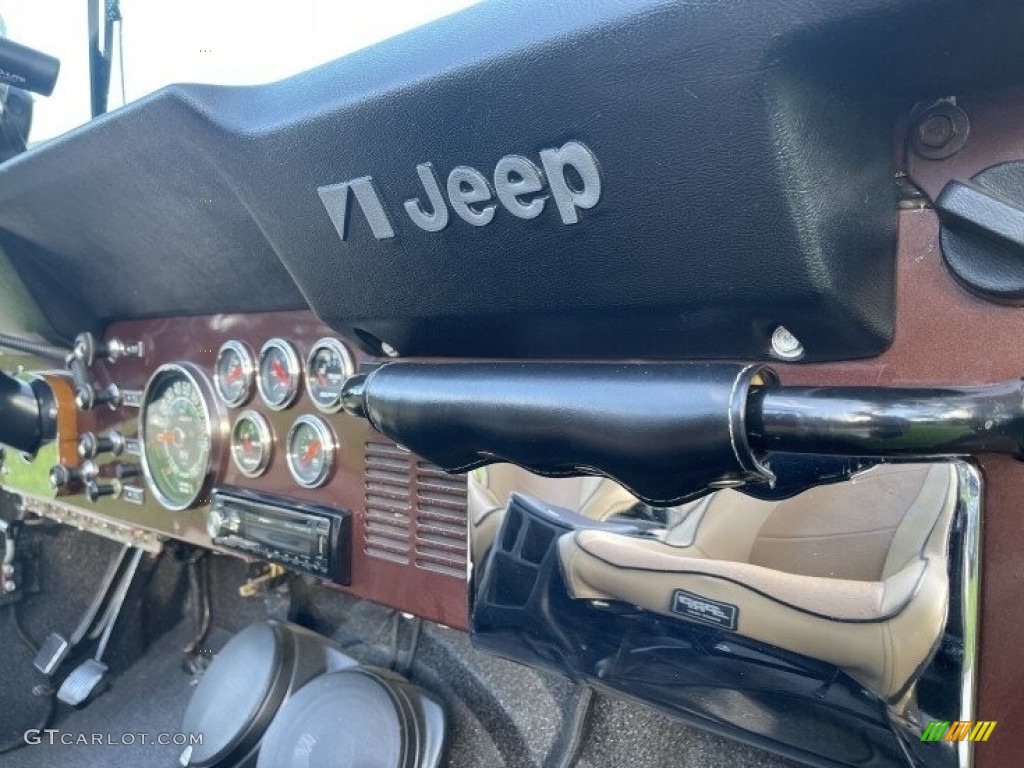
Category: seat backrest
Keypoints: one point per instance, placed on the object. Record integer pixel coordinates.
(595, 497)
(847, 531)
(865, 529)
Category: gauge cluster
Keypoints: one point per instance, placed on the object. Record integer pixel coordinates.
(244, 416)
(229, 434)
(183, 415)
(276, 374)
(241, 414)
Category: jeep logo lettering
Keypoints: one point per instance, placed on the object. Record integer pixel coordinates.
(569, 174)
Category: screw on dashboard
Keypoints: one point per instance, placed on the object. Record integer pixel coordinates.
(786, 346)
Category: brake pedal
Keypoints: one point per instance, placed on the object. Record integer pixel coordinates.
(56, 648)
(89, 678)
(51, 653)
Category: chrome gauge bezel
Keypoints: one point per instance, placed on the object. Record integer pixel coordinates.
(266, 438)
(328, 442)
(335, 346)
(248, 372)
(215, 423)
(294, 373)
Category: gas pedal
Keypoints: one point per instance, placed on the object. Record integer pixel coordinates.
(86, 681)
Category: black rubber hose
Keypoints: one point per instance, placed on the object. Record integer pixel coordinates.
(34, 348)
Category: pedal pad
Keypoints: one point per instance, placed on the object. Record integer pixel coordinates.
(88, 679)
(52, 653)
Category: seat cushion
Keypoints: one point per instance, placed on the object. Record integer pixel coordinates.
(646, 572)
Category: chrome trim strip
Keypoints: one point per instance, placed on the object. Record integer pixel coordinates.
(970, 482)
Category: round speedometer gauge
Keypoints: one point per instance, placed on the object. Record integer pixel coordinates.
(177, 435)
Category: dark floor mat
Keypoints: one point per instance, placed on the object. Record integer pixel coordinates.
(25, 693)
(143, 705)
(621, 733)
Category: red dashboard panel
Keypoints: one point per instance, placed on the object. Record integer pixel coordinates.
(408, 518)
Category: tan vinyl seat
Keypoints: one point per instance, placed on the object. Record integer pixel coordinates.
(854, 574)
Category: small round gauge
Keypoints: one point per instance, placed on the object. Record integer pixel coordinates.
(233, 373)
(328, 366)
(279, 374)
(251, 443)
(311, 448)
(177, 435)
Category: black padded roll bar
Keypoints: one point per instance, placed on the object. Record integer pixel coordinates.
(669, 432)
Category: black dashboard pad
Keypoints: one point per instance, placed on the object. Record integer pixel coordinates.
(523, 179)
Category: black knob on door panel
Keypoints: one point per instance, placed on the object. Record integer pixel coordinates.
(982, 233)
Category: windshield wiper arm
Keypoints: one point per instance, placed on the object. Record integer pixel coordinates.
(100, 58)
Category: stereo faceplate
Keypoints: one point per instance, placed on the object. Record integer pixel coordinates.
(312, 538)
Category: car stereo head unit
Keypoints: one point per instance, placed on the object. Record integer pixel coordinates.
(306, 537)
